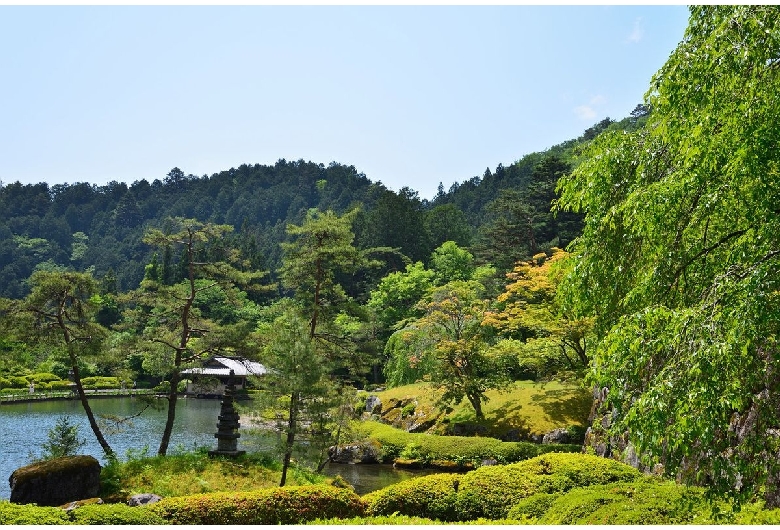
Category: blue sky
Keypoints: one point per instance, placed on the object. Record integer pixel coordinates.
(409, 95)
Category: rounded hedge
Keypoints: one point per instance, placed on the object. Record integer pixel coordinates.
(493, 490)
(31, 514)
(114, 514)
(461, 449)
(642, 502)
(430, 496)
(534, 506)
(287, 505)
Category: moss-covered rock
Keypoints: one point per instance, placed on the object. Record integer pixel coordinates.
(57, 481)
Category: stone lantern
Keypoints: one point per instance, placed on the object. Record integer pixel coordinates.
(227, 426)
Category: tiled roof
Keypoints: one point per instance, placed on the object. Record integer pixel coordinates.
(240, 367)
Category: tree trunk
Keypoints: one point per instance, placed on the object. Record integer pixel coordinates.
(172, 399)
(476, 402)
(88, 410)
(292, 426)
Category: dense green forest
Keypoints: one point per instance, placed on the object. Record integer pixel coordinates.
(642, 259)
(83, 226)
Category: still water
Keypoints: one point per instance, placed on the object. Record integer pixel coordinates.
(24, 428)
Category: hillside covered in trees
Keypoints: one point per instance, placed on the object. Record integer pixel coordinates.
(504, 214)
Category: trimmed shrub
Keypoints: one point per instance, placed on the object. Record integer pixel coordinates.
(461, 449)
(30, 514)
(431, 496)
(114, 514)
(492, 491)
(408, 520)
(100, 383)
(288, 505)
(758, 517)
(18, 381)
(534, 506)
(642, 502)
(42, 377)
(57, 385)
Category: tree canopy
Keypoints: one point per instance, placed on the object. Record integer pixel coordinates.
(679, 260)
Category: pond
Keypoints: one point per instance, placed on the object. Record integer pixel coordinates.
(24, 428)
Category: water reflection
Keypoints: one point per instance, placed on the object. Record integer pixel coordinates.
(371, 477)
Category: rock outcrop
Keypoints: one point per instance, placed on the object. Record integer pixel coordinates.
(56, 482)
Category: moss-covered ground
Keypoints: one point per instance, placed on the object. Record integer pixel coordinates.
(530, 408)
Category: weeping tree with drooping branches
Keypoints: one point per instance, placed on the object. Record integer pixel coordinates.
(679, 260)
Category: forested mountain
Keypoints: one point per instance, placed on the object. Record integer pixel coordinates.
(505, 215)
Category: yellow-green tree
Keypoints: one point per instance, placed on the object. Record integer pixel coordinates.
(463, 367)
(528, 311)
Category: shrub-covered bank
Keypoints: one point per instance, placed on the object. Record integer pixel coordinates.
(554, 488)
(450, 451)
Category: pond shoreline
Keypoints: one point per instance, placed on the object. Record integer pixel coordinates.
(10, 399)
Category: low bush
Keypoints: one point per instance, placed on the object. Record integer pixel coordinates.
(641, 502)
(31, 514)
(42, 377)
(100, 383)
(431, 496)
(57, 385)
(397, 443)
(491, 491)
(407, 520)
(17, 381)
(288, 505)
(114, 514)
(756, 516)
(534, 506)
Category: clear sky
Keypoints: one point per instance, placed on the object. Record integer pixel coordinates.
(409, 95)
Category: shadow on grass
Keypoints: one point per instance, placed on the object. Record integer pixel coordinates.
(564, 406)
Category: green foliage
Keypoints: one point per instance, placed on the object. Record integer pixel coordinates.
(394, 519)
(289, 505)
(493, 490)
(31, 514)
(452, 321)
(450, 263)
(301, 390)
(56, 385)
(641, 502)
(17, 381)
(63, 440)
(431, 496)
(410, 356)
(185, 473)
(395, 298)
(114, 514)
(100, 383)
(43, 377)
(533, 506)
(461, 449)
(679, 259)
